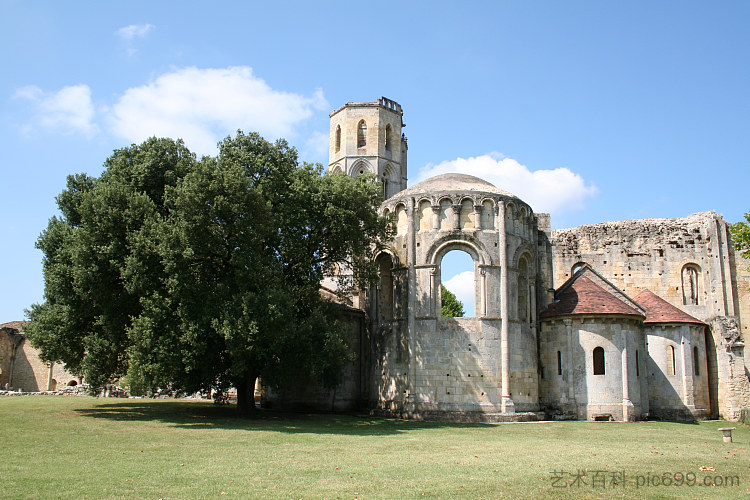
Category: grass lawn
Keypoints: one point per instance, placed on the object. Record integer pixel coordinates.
(76, 447)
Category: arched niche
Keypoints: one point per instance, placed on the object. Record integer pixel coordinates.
(466, 217)
(424, 215)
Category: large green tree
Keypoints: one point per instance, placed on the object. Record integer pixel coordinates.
(203, 274)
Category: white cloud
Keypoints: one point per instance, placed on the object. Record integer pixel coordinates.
(202, 106)
(552, 191)
(69, 110)
(129, 34)
(462, 286)
(134, 31)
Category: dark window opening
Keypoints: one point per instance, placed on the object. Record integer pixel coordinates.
(599, 361)
(559, 363)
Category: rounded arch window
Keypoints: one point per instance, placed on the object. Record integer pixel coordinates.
(599, 368)
(690, 284)
(338, 138)
(458, 277)
(576, 267)
(388, 138)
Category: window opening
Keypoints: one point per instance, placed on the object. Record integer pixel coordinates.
(362, 134)
(599, 361)
(457, 275)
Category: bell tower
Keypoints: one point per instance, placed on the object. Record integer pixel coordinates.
(367, 137)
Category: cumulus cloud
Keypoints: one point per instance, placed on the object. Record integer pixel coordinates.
(128, 35)
(462, 286)
(202, 106)
(552, 191)
(68, 111)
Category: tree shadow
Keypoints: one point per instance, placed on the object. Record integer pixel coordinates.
(206, 415)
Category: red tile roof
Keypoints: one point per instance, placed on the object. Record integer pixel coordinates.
(583, 296)
(659, 310)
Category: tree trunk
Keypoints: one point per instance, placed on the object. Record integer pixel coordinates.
(246, 395)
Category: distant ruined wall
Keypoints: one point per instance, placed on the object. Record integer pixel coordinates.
(21, 368)
(691, 263)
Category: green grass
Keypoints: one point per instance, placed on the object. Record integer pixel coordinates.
(102, 448)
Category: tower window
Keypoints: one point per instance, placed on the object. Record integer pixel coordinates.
(388, 134)
(559, 363)
(598, 361)
(361, 134)
(338, 138)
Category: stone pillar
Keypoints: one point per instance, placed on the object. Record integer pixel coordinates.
(49, 376)
(483, 292)
(435, 217)
(478, 217)
(456, 216)
(687, 371)
(627, 405)
(568, 371)
(506, 401)
(411, 285)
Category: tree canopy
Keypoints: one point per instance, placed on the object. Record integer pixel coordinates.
(202, 274)
(452, 307)
(741, 236)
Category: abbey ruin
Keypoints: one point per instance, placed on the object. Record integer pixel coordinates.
(619, 320)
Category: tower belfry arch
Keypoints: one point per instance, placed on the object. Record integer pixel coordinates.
(368, 137)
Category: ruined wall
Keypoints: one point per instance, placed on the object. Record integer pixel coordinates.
(652, 254)
(689, 262)
(22, 368)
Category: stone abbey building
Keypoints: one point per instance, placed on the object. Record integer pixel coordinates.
(619, 320)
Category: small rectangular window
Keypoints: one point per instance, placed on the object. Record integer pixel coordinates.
(559, 363)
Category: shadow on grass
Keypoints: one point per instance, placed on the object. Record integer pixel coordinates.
(200, 415)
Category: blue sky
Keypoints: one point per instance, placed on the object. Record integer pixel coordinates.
(592, 111)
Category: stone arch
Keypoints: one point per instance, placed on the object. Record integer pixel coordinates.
(383, 294)
(510, 217)
(478, 254)
(360, 167)
(690, 276)
(488, 215)
(523, 293)
(576, 267)
(424, 215)
(390, 181)
(444, 245)
(446, 214)
(466, 215)
(361, 134)
(336, 169)
(402, 219)
(527, 250)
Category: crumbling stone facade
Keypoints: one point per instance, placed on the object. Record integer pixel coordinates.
(21, 368)
(618, 320)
